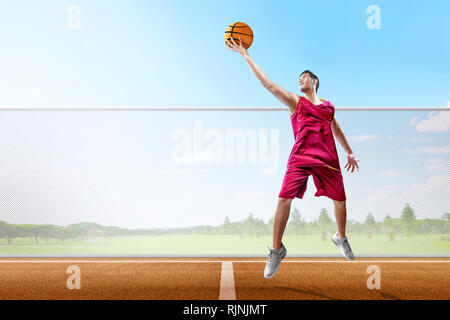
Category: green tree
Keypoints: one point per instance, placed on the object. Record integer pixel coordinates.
(446, 226)
(269, 225)
(249, 226)
(295, 223)
(325, 224)
(431, 226)
(303, 227)
(13, 231)
(3, 229)
(370, 225)
(7, 231)
(260, 227)
(47, 232)
(313, 228)
(355, 227)
(84, 230)
(226, 226)
(389, 227)
(408, 220)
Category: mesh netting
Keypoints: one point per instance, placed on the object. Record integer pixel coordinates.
(207, 183)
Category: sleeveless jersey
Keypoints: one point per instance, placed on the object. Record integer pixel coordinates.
(314, 142)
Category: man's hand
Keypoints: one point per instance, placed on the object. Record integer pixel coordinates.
(288, 98)
(236, 47)
(352, 162)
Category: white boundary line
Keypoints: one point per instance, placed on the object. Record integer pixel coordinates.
(221, 261)
(214, 109)
(227, 290)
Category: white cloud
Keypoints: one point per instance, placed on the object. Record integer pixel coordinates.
(393, 173)
(429, 199)
(413, 121)
(433, 150)
(438, 185)
(379, 195)
(437, 164)
(437, 121)
(363, 138)
(417, 139)
(57, 195)
(390, 138)
(254, 195)
(184, 172)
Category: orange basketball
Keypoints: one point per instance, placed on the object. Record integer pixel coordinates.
(239, 29)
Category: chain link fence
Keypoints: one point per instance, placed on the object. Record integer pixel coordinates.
(172, 182)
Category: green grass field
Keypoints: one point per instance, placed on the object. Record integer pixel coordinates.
(197, 244)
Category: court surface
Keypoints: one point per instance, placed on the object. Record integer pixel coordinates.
(224, 278)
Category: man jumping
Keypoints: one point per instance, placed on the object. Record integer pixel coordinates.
(314, 153)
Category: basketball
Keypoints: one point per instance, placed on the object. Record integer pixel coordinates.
(240, 29)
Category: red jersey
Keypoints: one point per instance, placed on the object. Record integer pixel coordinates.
(314, 142)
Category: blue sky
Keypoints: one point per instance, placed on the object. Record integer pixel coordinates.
(66, 167)
(171, 53)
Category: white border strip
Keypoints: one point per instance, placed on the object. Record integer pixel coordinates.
(215, 256)
(214, 109)
(221, 261)
(227, 290)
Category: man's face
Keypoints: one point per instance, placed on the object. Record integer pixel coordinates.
(306, 82)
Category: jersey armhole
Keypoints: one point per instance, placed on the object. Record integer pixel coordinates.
(299, 105)
(334, 110)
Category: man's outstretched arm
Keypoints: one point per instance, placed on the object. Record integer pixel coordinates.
(340, 136)
(289, 99)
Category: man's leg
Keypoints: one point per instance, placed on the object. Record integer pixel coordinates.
(294, 185)
(330, 183)
(339, 239)
(340, 213)
(280, 221)
(278, 251)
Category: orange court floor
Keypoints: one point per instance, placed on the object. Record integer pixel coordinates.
(223, 279)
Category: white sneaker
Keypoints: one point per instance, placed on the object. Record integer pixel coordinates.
(273, 263)
(344, 246)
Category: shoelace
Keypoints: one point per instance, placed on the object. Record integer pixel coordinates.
(346, 245)
(271, 255)
(271, 252)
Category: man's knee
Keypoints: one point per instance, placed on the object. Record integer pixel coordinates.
(284, 201)
(339, 203)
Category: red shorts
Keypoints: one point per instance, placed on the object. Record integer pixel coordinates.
(328, 182)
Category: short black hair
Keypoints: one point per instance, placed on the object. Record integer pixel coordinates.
(312, 76)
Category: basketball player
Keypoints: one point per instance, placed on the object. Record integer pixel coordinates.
(314, 153)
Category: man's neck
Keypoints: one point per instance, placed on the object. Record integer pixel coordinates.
(312, 97)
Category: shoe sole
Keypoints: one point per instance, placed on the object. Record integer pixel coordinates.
(348, 258)
(276, 270)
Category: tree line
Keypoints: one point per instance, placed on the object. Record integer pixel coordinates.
(407, 224)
